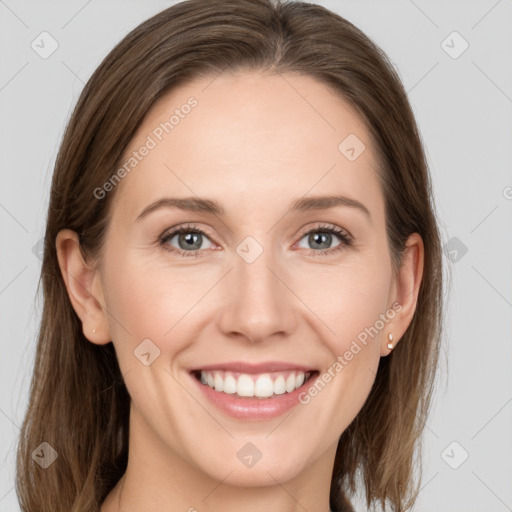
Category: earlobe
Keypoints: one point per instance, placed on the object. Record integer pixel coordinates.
(407, 286)
(80, 278)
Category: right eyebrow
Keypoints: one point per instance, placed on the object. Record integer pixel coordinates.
(191, 204)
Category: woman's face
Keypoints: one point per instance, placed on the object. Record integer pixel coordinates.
(258, 279)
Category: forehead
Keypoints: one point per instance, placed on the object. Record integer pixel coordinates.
(246, 135)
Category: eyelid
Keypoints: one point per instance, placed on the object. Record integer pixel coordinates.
(345, 237)
(328, 227)
(170, 233)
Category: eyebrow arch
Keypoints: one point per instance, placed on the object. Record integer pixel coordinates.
(195, 204)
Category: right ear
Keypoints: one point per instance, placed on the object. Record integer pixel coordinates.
(84, 287)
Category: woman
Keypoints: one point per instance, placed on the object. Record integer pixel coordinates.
(242, 274)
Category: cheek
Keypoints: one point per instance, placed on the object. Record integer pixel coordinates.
(147, 299)
(348, 301)
(352, 307)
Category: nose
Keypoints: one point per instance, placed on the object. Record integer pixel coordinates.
(258, 303)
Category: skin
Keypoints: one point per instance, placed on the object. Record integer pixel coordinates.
(254, 143)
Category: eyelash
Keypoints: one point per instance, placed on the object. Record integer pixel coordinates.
(346, 240)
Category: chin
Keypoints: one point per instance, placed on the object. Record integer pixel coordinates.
(256, 473)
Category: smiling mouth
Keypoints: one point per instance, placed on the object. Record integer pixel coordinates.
(261, 386)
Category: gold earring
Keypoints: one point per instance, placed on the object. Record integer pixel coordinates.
(390, 344)
(94, 331)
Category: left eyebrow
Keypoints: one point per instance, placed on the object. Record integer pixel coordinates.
(326, 202)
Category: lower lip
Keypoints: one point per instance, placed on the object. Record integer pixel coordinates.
(253, 408)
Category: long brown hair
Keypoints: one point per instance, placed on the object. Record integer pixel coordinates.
(78, 401)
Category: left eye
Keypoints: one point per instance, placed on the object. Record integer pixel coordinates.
(322, 238)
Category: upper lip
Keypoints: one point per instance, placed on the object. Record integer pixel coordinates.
(252, 368)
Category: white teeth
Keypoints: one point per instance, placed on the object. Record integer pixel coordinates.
(218, 382)
(261, 386)
(279, 388)
(289, 385)
(264, 386)
(245, 386)
(230, 385)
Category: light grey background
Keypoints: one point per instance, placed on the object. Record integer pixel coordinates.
(463, 106)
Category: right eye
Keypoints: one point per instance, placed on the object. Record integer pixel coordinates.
(188, 238)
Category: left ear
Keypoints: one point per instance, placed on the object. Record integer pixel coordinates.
(406, 288)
